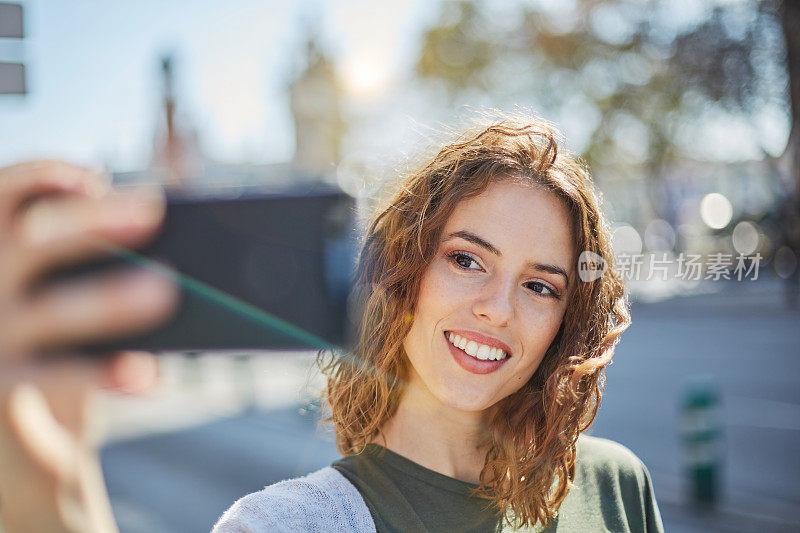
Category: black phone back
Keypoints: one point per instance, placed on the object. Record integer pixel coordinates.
(259, 271)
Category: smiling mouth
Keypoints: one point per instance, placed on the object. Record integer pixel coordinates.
(475, 349)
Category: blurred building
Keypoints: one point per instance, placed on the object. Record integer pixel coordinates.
(179, 161)
(177, 158)
(316, 108)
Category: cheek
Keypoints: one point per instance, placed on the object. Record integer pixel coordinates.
(541, 328)
(438, 299)
(426, 312)
(540, 334)
(438, 292)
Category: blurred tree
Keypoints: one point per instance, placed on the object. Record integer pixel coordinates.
(639, 74)
(790, 16)
(790, 209)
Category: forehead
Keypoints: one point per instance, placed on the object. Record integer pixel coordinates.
(518, 218)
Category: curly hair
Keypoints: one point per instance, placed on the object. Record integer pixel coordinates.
(530, 463)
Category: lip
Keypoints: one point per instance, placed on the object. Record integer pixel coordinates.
(481, 339)
(471, 364)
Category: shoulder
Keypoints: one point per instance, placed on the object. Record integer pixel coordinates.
(604, 456)
(618, 485)
(323, 500)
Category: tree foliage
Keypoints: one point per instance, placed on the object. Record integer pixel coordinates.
(639, 74)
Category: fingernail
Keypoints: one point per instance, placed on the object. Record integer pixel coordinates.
(135, 373)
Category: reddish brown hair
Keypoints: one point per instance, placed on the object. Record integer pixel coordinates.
(533, 430)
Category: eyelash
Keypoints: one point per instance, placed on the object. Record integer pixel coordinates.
(453, 257)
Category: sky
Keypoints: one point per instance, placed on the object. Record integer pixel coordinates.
(94, 80)
(93, 72)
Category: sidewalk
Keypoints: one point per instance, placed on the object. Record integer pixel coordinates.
(198, 390)
(737, 512)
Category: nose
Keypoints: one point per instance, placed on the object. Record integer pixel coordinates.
(495, 303)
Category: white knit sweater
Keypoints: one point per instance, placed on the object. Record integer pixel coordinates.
(323, 501)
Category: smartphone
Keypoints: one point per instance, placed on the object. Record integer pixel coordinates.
(256, 270)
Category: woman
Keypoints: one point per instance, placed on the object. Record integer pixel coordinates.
(480, 358)
(479, 361)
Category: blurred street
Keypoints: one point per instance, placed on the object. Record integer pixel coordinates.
(183, 480)
(748, 341)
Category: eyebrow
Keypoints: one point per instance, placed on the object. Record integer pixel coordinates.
(483, 243)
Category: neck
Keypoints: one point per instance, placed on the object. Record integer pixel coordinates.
(436, 436)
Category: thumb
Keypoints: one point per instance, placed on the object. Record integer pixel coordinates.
(46, 441)
(81, 497)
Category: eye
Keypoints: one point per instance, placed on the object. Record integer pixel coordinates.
(538, 287)
(463, 260)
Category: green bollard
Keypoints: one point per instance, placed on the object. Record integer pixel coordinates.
(702, 435)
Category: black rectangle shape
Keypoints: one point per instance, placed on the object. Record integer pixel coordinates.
(256, 272)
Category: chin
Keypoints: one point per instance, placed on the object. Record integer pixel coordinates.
(464, 401)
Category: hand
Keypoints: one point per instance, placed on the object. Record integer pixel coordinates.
(52, 214)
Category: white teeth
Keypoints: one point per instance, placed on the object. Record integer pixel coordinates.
(472, 348)
(479, 351)
(483, 352)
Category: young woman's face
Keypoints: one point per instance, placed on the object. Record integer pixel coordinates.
(496, 281)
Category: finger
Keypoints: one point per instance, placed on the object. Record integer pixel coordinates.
(23, 181)
(89, 310)
(131, 372)
(64, 230)
(126, 372)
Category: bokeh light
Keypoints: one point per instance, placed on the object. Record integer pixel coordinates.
(785, 262)
(716, 210)
(626, 240)
(659, 236)
(745, 237)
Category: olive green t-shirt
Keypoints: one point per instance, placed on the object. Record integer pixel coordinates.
(612, 491)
